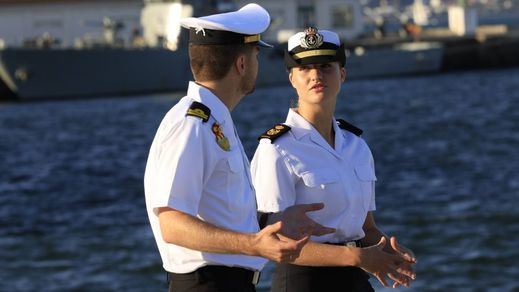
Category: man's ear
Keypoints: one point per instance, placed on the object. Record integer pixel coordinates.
(239, 63)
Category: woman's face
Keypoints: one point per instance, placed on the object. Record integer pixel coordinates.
(317, 83)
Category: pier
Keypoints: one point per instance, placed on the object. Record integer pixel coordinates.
(490, 47)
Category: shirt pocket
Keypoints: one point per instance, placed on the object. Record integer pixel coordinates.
(322, 186)
(237, 185)
(235, 163)
(366, 177)
(319, 178)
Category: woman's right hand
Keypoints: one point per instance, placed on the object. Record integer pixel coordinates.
(380, 263)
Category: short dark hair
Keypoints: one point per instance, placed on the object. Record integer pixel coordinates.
(212, 62)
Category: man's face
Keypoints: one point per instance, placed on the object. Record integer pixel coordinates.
(248, 83)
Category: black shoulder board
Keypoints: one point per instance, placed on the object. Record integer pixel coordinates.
(199, 110)
(349, 127)
(275, 132)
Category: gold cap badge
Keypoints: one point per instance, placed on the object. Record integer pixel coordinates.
(312, 39)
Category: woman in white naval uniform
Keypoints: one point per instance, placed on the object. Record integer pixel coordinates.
(314, 157)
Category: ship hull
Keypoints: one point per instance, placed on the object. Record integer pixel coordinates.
(35, 74)
(40, 74)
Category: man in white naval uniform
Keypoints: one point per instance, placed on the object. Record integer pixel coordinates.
(199, 195)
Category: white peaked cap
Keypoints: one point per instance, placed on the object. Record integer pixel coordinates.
(314, 46)
(328, 37)
(251, 19)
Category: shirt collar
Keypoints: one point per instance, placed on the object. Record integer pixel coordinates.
(203, 95)
(339, 136)
(301, 128)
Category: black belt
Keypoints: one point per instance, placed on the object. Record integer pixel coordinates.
(352, 243)
(233, 273)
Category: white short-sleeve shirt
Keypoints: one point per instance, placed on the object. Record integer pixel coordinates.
(189, 171)
(300, 167)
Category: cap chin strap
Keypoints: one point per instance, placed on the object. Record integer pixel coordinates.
(219, 37)
(323, 55)
(251, 39)
(313, 53)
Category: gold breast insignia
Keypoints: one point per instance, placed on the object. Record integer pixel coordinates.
(221, 140)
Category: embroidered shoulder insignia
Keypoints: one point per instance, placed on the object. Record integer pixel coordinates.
(199, 110)
(349, 127)
(275, 132)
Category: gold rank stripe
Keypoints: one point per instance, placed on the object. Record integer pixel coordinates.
(251, 38)
(314, 53)
(197, 113)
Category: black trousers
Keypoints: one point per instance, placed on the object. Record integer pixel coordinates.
(292, 278)
(213, 279)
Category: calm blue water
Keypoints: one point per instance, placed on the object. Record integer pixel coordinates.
(72, 214)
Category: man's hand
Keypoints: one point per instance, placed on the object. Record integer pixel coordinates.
(381, 264)
(297, 224)
(269, 245)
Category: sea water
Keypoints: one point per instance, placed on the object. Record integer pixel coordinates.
(72, 211)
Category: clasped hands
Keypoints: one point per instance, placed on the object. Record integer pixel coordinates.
(392, 260)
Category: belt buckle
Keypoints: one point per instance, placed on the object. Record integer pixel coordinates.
(256, 277)
(351, 244)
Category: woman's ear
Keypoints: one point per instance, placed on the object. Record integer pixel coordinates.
(343, 74)
(291, 77)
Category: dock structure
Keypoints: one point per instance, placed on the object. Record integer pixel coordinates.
(490, 47)
(137, 46)
(31, 74)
